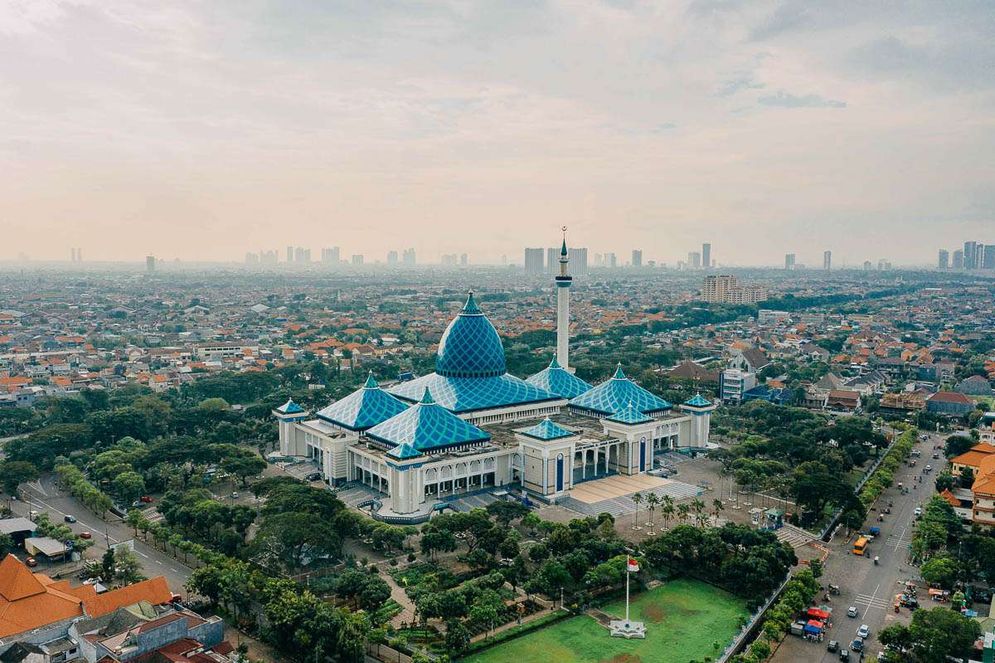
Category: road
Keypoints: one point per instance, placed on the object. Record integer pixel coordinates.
(869, 588)
(44, 495)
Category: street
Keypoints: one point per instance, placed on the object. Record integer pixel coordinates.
(869, 588)
(44, 496)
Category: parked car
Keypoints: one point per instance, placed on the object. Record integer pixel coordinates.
(85, 535)
(844, 655)
(863, 631)
(31, 561)
(832, 646)
(314, 476)
(918, 511)
(857, 645)
(146, 499)
(851, 611)
(69, 518)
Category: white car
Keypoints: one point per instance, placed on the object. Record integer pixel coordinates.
(851, 611)
(863, 631)
(918, 511)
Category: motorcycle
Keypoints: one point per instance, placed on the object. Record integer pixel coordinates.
(876, 560)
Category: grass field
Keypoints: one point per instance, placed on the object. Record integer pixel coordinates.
(684, 619)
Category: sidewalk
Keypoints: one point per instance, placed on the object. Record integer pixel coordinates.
(510, 625)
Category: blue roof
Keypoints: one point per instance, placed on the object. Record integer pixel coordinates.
(471, 394)
(404, 452)
(698, 401)
(427, 426)
(630, 415)
(290, 407)
(613, 395)
(470, 346)
(558, 380)
(547, 430)
(363, 408)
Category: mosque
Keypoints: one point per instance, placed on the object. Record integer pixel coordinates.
(471, 425)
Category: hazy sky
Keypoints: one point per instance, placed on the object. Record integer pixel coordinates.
(206, 129)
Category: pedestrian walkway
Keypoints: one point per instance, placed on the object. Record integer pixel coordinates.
(354, 494)
(624, 504)
(470, 502)
(795, 537)
(407, 614)
(870, 601)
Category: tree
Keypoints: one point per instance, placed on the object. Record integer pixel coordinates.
(6, 545)
(128, 486)
(940, 570)
(292, 540)
(457, 637)
(15, 472)
(241, 463)
(934, 635)
(637, 499)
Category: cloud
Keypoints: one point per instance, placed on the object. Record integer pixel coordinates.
(738, 84)
(783, 99)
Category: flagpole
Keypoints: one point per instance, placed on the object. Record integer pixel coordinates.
(626, 591)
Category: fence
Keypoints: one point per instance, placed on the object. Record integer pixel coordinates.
(386, 654)
(744, 635)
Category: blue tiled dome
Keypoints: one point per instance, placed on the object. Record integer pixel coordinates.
(363, 408)
(470, 347)
(558, 380)
(426, 427)
(615, 395)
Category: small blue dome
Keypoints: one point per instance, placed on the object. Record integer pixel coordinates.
(470, 346)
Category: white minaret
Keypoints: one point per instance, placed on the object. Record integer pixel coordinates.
(563, 281)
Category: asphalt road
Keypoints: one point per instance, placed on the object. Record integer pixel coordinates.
(44, 495)
(869, 588)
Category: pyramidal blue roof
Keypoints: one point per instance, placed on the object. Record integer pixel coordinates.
(470, 346)
(698, 401)
(615, 394)
(426, 426)
(404, 452)
(548, 429)
(558, 380)
(630, 415)
(471, 394)
(364, 408)
(290, 407)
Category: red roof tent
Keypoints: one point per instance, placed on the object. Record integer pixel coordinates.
(815, 613)
(816, 623)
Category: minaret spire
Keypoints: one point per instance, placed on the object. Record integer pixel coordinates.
(563, 282)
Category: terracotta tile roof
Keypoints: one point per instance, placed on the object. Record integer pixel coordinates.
(985, 481)
(28, 601)
(950, 498)
(155, 591)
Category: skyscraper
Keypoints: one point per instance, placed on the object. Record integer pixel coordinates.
(578, 260)
(827, 260)
(943, 259)
(302, 255)
(357, 260)
(534, 263)
(988, 257)
(706, 255)
(290, 254)
(694, 260)
(789, 260)
(637, 258)
(552, 256)
(408, 257)
(971, 255)
(330, 256)
(149, 264)
(611, 261)
(958, 260)
(392, 257)
(464, 259)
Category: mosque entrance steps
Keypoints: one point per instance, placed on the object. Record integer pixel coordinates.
(613, 494)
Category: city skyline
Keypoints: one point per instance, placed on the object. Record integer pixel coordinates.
(445, 128)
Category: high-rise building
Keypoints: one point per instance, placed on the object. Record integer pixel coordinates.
(637, 258)
(408, 257)
(827, 260)
(789, 260)
(706, 255)
(290, 254)
(716, 288)
(694, 260)
(578, 260)
(971, 255)
(868, 265)
(269, 257)
(552, 255)
(357, 259)
(988, 257)
(331, 256)
(943, 259)
(958, 260)
(611, 261)
(464, 259)
(534, 261)
(302, 255)
(392, 257)
(150, 264)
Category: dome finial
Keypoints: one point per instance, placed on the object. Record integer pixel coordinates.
(371, 382)
(471, 304)
(619, 375)
(553, 363)
(427, 399)
(563, 249)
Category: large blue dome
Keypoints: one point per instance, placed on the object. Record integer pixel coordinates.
(470, 347)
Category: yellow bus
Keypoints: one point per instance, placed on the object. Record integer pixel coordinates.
(860, 546)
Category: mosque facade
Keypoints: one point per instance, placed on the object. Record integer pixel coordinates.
(471, 426)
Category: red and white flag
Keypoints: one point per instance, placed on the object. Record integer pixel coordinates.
(632, 566)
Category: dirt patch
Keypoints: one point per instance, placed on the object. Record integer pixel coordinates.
(623, 658)
(653, 613)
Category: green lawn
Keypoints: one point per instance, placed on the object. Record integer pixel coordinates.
(683, 620)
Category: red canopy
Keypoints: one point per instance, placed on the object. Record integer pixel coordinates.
(815, 613)
(816, 623)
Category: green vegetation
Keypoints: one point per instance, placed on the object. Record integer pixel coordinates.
(685, 620)
(797, 596)
(933, 636)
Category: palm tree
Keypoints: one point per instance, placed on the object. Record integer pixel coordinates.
(683, 511)
(667, 510)
(653, 499)
(717, 507)
(699, 509)
(637, 499)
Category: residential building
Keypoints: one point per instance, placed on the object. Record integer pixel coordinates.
(408, 258)
(827, 260)
(694, 260)
(789, 261)
(971, 255)
(976, 385)
(637, 258)
(734, 383)
(578, 260)
(943, 259)
(392, 258)
(706, 255)
(958, 260)
(534, 261)
(357, 260)
(988, 257)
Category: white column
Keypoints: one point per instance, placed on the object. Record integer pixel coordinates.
(563, 325)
